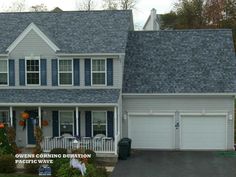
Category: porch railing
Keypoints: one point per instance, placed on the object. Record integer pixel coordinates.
(99, 145)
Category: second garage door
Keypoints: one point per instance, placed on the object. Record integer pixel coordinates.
(203, 132)
(152, 131)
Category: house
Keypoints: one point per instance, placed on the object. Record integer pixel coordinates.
(88, 79)
(153, 22)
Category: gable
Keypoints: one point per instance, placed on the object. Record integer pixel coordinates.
(31, 44)
(32, 28)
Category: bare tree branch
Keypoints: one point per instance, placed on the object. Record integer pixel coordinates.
(110, 4)
(85, 5)
(39, 8)
(17, 6)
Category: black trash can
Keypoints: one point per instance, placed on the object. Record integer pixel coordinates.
(123, 149)
(129, 141)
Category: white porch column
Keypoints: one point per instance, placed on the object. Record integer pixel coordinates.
(40, 116)
(11, 116)
(77, 120)
(115, 127)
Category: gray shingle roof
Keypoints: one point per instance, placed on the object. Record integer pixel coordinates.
(72, 32)
(180, 61)
(59, 96)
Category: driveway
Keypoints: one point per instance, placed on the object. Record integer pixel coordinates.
(176, 164)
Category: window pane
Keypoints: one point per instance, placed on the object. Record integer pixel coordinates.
(3, 65)
(65, 65)
(99, 117)
(32, 65)
(4, 117)
(32, 78)
(66, 122)
(99, 65)
(99, 129)
(65, 78)
(3, 78)
(99, 78)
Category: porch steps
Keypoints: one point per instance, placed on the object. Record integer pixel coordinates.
(108, 160)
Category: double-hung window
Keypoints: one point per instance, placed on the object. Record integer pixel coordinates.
(99, 122)
(65, 72)
(3, 72)
(33, 71)
(98, 72)
(66, 122)
(4, 117)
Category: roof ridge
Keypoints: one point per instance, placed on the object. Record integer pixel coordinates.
(70, 11)
(183, 30)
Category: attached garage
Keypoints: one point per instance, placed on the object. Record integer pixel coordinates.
(152, 131)
(203, 132)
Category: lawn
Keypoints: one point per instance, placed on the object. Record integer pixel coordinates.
(16, 175)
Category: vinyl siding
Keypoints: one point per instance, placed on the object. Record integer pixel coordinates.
(181, 104)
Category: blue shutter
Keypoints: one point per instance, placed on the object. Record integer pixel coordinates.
(22, 71)
(76, 72)
(109, 71)
(78, 124)
(87, 74)
(110, 124)
(43, 71)
(88, 124)
(11, 72)
(55, 124)
(54, 72)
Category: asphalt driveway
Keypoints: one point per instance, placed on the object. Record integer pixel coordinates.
(176, 164)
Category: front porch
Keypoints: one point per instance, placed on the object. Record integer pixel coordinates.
(90, 127)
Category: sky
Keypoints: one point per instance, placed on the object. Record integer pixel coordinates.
(140, 13)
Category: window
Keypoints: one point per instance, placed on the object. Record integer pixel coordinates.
(99, 122)
(66, 122)
(99, 72)
(65, 72)
(32, 71)
(4, 117)
(3, 72)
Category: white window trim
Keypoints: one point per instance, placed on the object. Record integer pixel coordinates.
(95, 124)
(8, 116)
(7, 72)
(98, 71)
(72, 72)
(59, 115)
(26, 72)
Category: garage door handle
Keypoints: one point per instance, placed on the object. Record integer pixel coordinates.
(177, 125)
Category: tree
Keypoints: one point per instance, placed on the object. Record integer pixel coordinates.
(190, 13)
(127, 4)
(169, 20)
(39, 8)
(85, 5)
(17, 6)
(110, 4)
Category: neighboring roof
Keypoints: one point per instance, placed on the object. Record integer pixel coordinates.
(158, 20)
(180, 61)
(73, 32)
(71, 96)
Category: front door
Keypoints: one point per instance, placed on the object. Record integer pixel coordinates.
(30, 131)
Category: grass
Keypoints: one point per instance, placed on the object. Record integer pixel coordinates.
(16, 175)
(226, 154)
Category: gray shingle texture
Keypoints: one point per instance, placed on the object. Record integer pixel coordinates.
(180, 61)
(59, 95)
(72, 32)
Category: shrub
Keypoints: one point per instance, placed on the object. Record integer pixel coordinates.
(67, 171)
(58, 151)
(102, 172)
(93, 155)
(92, 171)
(78, 151)
(32, 168)
(7, 164)
(57, 163)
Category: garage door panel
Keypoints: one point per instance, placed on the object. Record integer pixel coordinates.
(154, 132)
(203, 132)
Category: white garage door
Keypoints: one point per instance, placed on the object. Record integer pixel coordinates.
(152, 132)
(203, 132)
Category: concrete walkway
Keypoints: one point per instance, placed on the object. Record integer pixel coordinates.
(176, 164)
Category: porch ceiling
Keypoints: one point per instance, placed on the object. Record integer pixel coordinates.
(59, 96)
